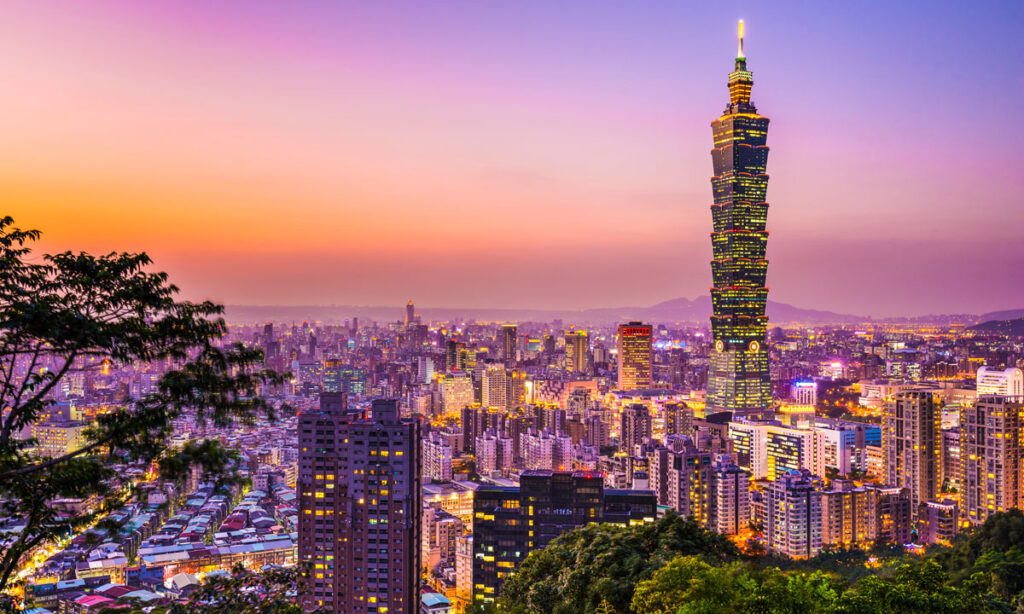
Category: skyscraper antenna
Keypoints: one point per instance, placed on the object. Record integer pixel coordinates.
(740, 54)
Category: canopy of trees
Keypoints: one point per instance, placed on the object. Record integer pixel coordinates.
(73, 312)
(603, 563)
(675, 567)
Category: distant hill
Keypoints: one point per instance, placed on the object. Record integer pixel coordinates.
(679, 310)
(1008, 314)
(1011, 328)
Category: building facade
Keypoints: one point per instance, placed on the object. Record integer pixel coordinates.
(793, 515)
(911, 444)
(634, 345)
(991, 456)
(359, 506)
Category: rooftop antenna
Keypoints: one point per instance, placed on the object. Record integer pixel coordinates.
(740, 54)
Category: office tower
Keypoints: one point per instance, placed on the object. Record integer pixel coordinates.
(750, 446)
(634, 345)
(730, 497)
(805, 393)
(437, 458)
(992, 456)
(635, 427)
(793, 514)
(508, 342)
(1004, 382)
(410, 314)
(359, 489)
(769, 450)
(739, 380)
(340, 377)
(911, 440)
(577, 351)
(511, 522)
(844, 444)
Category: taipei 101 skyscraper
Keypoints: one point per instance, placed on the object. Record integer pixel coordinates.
(739, 380)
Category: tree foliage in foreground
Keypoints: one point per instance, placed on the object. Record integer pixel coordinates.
(599, 565)
(688, 585)
(74, 312)
(674, 567)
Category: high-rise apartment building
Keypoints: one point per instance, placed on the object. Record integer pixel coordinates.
(730, 497)
(510, 522)
(437, 457)
(495, 387)
(739, 379)
(635, 427)
(359, 507)
(793, 515)
(634, 345)
(577, 351)
(911, 443)
(991, 456)
(688, 480)
(678, 419)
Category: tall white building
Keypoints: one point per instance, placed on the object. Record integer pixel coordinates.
(1004, 382)
(493, 453)
(545, 450)
(991, 456)
(769, 450)
(730, 497)
(793, 515)
(456, 391)
(805, 393)
(437, 457)
(495, 387)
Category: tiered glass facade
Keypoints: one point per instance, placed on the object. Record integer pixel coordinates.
(739, 380)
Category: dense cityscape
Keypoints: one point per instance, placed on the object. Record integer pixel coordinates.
(406, 463)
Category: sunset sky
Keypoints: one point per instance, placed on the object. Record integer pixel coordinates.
(519, 154)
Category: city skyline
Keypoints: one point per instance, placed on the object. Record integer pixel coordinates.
(255, 153)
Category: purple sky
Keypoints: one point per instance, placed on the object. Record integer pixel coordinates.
(520, 154)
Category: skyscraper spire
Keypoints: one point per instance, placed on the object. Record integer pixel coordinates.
(740, 53)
